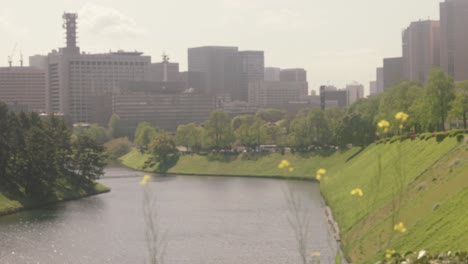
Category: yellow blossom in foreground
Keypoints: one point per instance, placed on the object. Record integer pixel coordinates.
(401, 116)
(291, 169)
(383, 124)
(318, 177)
(315, 254)
(284, 164)
(400, 227)
(322, 171)
(389, 253)
(357, 192)
(145, 179)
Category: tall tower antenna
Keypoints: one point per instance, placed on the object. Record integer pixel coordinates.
(69, 24)
(10, 57)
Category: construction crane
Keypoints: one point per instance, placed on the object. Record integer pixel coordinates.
(10, 58)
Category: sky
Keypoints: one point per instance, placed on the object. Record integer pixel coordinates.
(336, 41)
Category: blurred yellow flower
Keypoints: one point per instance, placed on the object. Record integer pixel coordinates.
(401, 126)
(357, 192)
(400, 227)
(383, 124)
(145, 179)
(315, 254)
(284, 164)
(318, 177)
(389, 253)
(322, 171)
(401, 116)
(291, 169)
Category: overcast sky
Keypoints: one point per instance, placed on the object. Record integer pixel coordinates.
(337, 41)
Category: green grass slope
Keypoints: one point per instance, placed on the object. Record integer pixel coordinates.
(420, 183)
(12, 203)
(247, 164)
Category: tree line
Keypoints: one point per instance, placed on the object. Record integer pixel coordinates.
(39, 153)
(432, 107)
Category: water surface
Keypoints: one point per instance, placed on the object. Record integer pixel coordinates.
(209, 220)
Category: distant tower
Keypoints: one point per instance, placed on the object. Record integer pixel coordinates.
(69, 23)
(165, 64)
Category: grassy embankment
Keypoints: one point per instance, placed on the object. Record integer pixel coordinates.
(246, 164)
(422, 183)
(10, 203)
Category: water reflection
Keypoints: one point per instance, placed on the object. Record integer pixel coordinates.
(209, 220)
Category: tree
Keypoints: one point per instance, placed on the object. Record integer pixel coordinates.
(218, 132)
(113, 128)
(88, 159)
(440, 94)
(460, 104)
(271, 115)
(4, 142)
(318, 125)
(145, 133)
(163, 152)
(299, 136)
(190, 136)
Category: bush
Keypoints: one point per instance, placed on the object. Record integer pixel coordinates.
(424, 257)
(118, 147)
(460, 137)
(456, 132)
(426, 136)
(441, 136)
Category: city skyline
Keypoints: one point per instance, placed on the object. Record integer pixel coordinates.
(293, 34)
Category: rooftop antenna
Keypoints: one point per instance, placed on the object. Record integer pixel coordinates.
(21, 58)
(10, 57)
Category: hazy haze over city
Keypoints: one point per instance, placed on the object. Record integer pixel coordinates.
(335, 41)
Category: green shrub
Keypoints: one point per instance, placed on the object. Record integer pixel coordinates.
(441, 136)
(118, 147)
(460, 137)
(456, 132)
(424, 257)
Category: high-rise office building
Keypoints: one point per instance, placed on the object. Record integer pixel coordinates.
(421, 49)
(276, 94)
(23, 86)
(252, 70)
(454, 38)
(80, 85)
(373, 88)
(293, 75)
(164, 71)
(333, 97)
(272, 74)
(355, 92)
(392, 71)
(380, 80)
(221, 68)
(165, 108)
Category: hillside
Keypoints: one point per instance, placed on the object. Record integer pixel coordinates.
(421, 183)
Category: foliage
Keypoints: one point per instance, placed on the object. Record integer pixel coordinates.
(439, 95)
(36, 153)
(88, 158)
(117, 147)
(424, 257)
(113, 128)
(190, 136)
(218, 133)
(163, 152)
(271, 115)
(145, 133)
(94, 132)
(460, 104)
